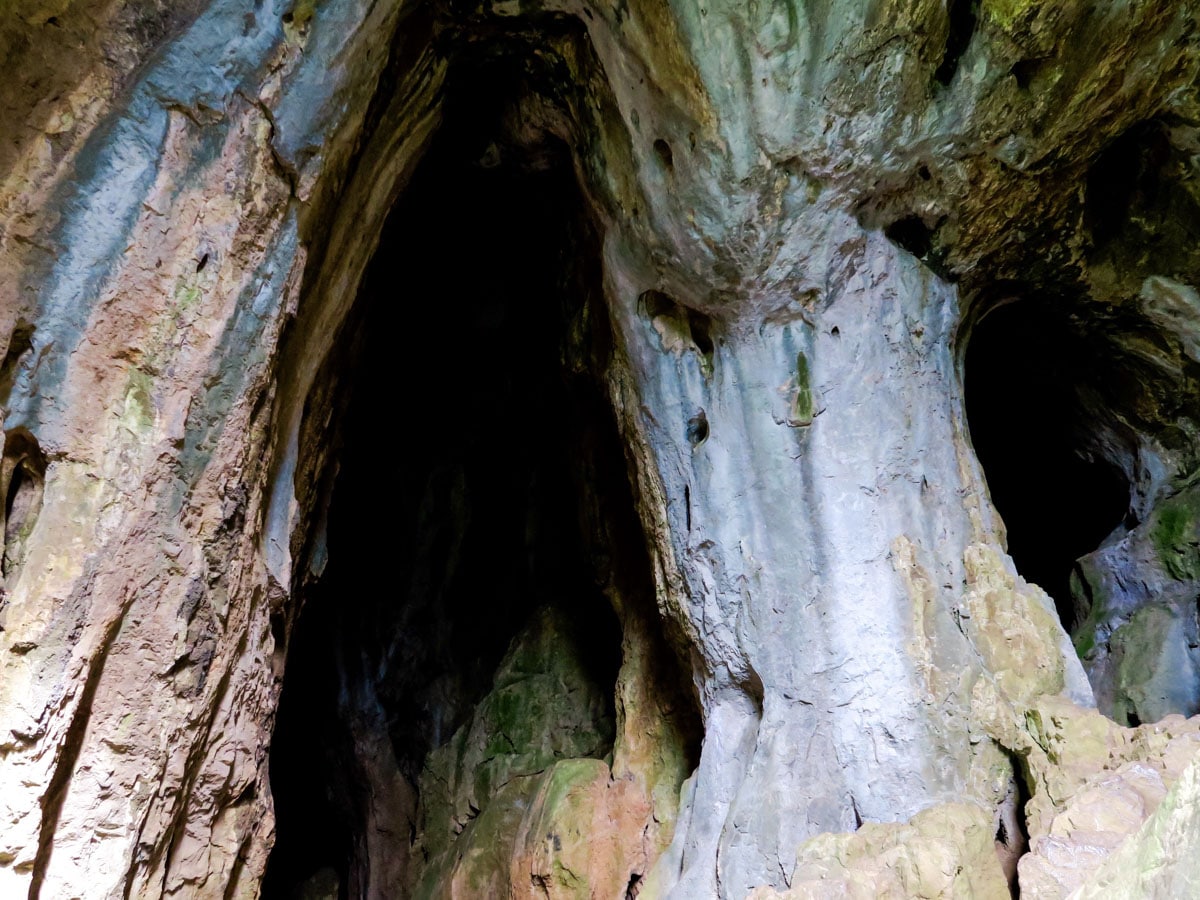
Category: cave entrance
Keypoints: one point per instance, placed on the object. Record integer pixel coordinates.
(481, 514)
(1037, 425)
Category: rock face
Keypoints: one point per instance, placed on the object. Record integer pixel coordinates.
(544, 449)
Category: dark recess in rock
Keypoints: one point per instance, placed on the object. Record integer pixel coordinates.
(1028, 367)
(469, 343)
(695, 324)
(1128, 176)
(912, 234)
(18, 344)
(22, 477)
(964, 15)
(701, 326)
(1012, 833)
(1026, 70)
(697, 429)
(663, 149)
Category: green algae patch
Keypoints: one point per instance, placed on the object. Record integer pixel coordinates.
(138, 414)
(1091, 598)
(187, 296)
(562, 829)
(1007, 13)
(803, 409)
(1176, 537)
(479, 859)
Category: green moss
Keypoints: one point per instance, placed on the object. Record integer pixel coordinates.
(1006, 13)
(1084, 637)
(567, 776)
(187, 296)
(1085, 642)
(802, 401)
(139, 405)
(543, 707)
(1175, 536)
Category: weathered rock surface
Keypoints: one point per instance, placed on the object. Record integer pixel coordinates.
(774, 230)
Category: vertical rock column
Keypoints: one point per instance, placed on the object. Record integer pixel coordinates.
(811, 499)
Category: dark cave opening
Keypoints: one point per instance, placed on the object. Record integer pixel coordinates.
(964, 17)
(478, 329)
(1031, 381)
(1127, 178)
(24, 468)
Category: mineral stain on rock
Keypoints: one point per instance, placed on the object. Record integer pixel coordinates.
(802, 400)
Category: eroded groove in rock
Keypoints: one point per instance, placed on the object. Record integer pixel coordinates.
(1012, 834)
(22, 484)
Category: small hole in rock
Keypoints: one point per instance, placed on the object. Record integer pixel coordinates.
(1025, 70)
(701, 326)
(697, 429)
(923, 173)
(202, 263)
(665, 156)
(912, 234)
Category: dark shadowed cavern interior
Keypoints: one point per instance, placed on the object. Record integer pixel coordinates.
(1031, 389)
(1080, 413)
(481, 518)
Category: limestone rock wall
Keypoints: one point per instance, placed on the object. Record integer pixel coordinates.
(153, 252)
(801, 210)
